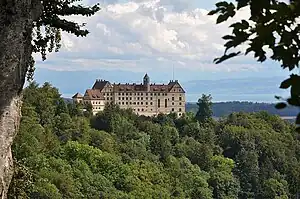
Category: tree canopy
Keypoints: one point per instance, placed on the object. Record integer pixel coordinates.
(271, 32)
(61, 152)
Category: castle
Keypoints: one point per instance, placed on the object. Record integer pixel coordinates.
(144, 99)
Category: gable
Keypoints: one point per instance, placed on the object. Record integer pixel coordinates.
(176, 88)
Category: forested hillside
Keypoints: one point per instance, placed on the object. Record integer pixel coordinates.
(225, 108)
(61, 152)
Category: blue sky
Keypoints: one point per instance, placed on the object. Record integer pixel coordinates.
(130, 38)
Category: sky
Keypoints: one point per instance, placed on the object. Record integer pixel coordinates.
(165, 38)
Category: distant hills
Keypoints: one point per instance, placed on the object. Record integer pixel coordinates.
(225, 108)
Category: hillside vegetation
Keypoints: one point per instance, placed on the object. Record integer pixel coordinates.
(61, 152)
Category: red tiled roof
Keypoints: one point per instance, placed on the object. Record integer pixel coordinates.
(100, 84)
(140, 87)
(94, 94)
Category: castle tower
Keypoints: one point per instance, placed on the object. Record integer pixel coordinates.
(146, 82)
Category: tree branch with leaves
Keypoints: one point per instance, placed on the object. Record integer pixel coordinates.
(272, 27)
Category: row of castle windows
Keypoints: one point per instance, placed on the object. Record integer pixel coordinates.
(179, 110)
(135, 103)
(180, 98)
(146, 103)
(151, 103)
(130, 98)
(141, 94)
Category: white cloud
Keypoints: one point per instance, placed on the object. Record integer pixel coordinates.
(149, 34)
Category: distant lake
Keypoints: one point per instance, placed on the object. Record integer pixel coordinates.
(268, 98)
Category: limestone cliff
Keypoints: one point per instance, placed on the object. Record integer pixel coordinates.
(16, 24)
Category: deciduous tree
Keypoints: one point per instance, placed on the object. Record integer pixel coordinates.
(204, 108)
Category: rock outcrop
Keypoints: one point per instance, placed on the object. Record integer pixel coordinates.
(16, 26)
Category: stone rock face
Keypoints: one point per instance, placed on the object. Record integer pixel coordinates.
(8, 127)
(16, 25)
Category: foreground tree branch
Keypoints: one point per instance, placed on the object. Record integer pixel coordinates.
(18, 19)
(274, 26)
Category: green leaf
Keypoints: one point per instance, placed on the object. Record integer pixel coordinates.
(298, 119)
(213, 12)
(242, 3)
(222, 18)
(245, 23)
(227, 37)
(286, 83)
(222, 4)
(280, 105)
(293, 101)
(278, 97)
(225, 57)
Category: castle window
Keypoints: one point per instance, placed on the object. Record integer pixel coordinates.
(130, 98)
(141, 98)
(130, 102)
(111, 98)
(180, 98)
(166, 103)
(123, 93)
(126, 98)
(146, 103)
(138, 98)
(138, 109)
(141, 93)
(173, 103)
(172, 109)
(151, 109)
(141, 103)
(179, 109)
(151, 94)
(172, 98)
(142, 109)
(122, 98)
(154, 94)
(158, 103)
(179, 103)
(138, 103)
(107, 98)
(119, 98)
(126, 103)
(119, 102)
(158, 94)
(146, 94)
(151, 103)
